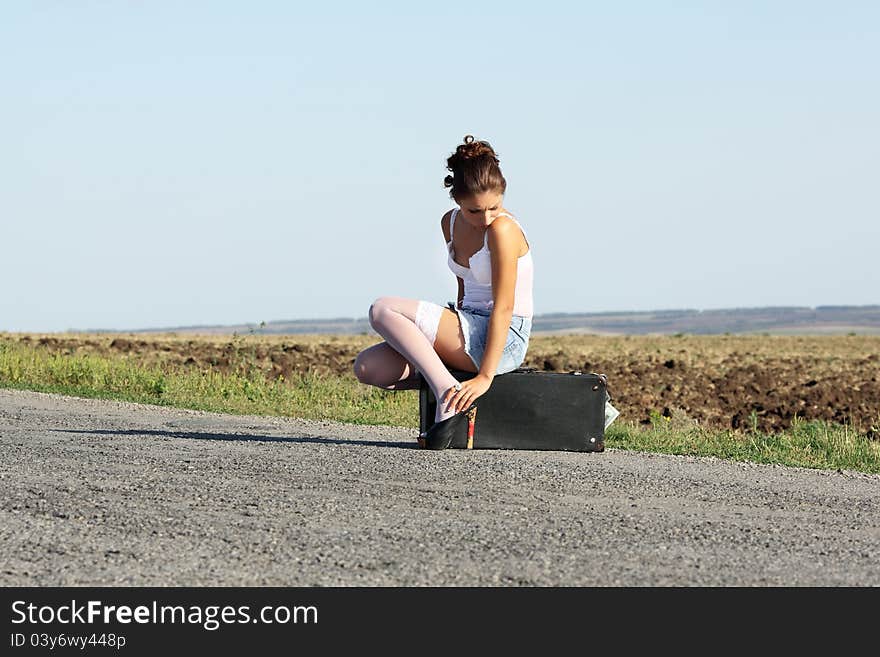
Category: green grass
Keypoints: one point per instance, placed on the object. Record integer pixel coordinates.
(807, 444)
(246, 391)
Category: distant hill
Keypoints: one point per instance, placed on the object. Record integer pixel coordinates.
(783, 320)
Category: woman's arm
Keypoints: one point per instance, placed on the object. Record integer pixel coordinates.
(503, 253)
(503, 250)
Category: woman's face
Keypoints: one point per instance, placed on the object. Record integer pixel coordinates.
(481, 209)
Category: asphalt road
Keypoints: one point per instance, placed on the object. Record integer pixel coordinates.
(107, 494)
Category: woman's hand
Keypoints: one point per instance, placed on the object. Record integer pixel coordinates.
(470, 390)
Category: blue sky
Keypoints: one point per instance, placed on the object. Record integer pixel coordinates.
(172, 164)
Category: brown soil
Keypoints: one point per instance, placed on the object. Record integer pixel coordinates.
(714, 381)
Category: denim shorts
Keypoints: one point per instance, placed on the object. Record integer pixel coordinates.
(475, 328)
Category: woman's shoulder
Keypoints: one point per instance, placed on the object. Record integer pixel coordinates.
(506, 232)
(504, 225)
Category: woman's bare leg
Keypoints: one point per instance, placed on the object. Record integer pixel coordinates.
(449, 344)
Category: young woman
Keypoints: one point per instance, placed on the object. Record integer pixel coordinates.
(487, 330)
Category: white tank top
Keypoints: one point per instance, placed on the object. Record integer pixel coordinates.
(478, 277)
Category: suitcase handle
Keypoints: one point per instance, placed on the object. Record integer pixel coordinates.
(602, 377)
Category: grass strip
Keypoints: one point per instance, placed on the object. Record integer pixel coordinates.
(246, 392)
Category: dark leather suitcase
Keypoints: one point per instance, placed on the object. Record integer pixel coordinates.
(528, 409)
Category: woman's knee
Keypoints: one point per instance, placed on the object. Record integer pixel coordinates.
(382, 366)
(358, 368)
(377, 308)
(361, 367)
(383, 306)
(369, 368)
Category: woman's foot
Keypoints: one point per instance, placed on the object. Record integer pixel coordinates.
(442, 411)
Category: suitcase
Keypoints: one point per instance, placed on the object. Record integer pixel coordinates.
(528, 409)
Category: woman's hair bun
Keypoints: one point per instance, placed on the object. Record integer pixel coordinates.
(471, 148)
(474, 166)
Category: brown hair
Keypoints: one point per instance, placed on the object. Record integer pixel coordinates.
(474, 167)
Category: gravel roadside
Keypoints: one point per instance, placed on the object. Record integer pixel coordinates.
(105, 493)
